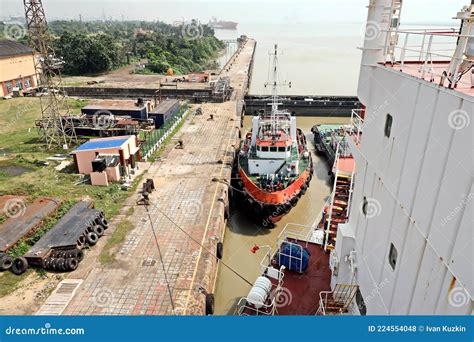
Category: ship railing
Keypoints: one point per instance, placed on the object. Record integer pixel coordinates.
(337, 301)
(427, 52)
(355, 126)
(269, 307)
(244, 308)
(293, 234)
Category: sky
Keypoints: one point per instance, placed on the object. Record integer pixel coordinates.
(415, 11)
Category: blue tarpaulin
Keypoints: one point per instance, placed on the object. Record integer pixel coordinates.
(297, 262)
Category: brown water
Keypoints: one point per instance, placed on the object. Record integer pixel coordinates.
(241, 233)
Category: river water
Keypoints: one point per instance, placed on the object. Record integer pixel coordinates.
(241, 233)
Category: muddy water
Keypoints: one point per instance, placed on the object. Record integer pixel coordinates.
(241, 233)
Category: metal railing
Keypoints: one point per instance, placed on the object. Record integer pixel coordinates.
(292, 231)
(266, 309)
(338, 300)
(430, 53)
(355, 126)
(269, 307)
(153, 139)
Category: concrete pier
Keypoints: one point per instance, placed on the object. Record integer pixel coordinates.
(192, 193)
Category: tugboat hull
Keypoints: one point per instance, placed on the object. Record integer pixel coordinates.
(267, 208)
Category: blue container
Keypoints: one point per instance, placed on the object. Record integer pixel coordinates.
(299, 259)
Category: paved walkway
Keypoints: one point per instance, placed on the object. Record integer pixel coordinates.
(187, 194)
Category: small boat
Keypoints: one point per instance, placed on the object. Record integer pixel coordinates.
(274, 167)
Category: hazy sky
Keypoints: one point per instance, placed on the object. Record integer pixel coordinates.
(427, 11)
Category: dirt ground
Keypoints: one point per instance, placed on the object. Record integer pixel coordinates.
(31, 293)
(124, 78)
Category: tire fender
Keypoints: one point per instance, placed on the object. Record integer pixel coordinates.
(98, 229)
(91, 238)
(19, 266)
(6, 262)
(210, 304)
(219, 250)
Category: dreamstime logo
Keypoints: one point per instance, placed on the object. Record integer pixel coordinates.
(192, 208)
(375, 112)
(376, 290)
(18, 115)
(280, 210)
(371, 207)
(103, 119)
(14, 208)
(458, 297)
(284, 298)
(192, 30)
(102, 297)
(371, 30)
(14, 30)
(464, 202)
(459, 119)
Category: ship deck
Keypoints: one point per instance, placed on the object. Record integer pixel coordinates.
(346, 165)
(302, 165)
(432, 73)
(304, 288)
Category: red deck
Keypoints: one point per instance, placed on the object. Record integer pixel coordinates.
(415, 69)
(305, 288)
(346, 165)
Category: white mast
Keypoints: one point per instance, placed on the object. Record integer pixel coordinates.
(274, 83)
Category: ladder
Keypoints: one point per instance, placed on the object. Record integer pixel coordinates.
(340, 199)
(392, 36)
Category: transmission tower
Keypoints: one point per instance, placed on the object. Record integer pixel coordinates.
(56, 125)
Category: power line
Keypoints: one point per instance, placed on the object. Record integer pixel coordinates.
(197, 242)
(161, 260)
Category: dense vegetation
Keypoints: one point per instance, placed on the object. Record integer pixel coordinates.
(97, 46)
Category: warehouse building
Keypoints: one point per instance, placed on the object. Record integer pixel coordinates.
(164, 111)
(135, 109)
(17, 67)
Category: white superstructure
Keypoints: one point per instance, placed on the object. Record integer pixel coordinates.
(408, 243)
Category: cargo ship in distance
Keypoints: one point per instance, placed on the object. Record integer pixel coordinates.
(223, 25)
(274, 167)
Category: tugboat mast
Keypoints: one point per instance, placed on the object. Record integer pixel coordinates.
(274, 83)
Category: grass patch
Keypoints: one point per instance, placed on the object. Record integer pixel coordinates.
(130, 211)
(108, 254)
(73, 83)
(18, 133)
(10, 282)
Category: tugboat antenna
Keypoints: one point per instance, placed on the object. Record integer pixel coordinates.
(274, 83)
